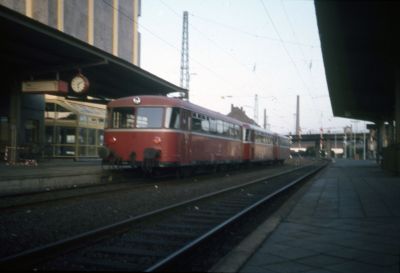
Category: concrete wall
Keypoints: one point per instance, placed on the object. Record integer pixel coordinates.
(75, 22)
(76, 18)
(103, 12)
(40, 11)
(52, 20)
(125, 25)
(17, 5)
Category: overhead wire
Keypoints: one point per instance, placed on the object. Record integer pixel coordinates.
(287, 51)
(244, 66)
(212, 41)
(250, 33)
(164, 41)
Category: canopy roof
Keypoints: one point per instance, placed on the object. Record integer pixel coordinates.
(32, 50)
(360, 47)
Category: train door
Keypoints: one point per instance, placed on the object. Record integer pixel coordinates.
(186, 145)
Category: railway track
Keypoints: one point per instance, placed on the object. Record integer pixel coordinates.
(160, 240)
(121, 182)
(19, 201)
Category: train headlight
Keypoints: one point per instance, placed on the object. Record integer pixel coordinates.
(157, 140)
(112, 140)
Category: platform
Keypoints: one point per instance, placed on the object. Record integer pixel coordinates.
(346, 220)
(49, 175)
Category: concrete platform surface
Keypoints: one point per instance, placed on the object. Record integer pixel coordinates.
(51, 174)
(346, 220)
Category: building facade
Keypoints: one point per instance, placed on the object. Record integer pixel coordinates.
(109, 25)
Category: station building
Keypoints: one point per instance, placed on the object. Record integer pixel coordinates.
(55, 47)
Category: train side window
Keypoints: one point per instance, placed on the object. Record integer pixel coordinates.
(238, 132)
(185, 119)
(213, 126)
(205, 125)
(220, 127)
(172, 118)
(196, 123)
(249, 135)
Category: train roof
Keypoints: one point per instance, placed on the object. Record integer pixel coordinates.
(260, 129)
(170, 102)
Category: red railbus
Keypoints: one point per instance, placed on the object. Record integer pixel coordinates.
(157, 132)
(153, 132)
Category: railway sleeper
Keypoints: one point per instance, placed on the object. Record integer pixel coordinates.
(126, 251)
(205, 215)
(169, 234)
(180, 226)
(202, 221)
(97, 264)
(148, 242)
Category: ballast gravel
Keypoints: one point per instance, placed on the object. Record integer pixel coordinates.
(26, 228)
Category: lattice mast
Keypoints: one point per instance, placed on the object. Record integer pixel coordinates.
(185, 76)
(256, 108)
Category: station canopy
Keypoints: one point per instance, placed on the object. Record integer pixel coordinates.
(30, 50)
(361, 52)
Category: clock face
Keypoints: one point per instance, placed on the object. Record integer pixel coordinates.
(79, 84)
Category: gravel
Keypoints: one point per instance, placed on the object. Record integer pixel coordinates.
(29, 227)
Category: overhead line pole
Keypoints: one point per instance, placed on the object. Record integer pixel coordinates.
(185, 76)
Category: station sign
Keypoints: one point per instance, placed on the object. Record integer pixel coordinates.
(45, 87)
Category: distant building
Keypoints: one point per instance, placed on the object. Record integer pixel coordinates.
(240, 114)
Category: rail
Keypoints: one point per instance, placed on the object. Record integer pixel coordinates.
(162, 238)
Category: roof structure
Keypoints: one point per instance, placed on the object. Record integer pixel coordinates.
(35, 51)
(240, 114)
(360, 47)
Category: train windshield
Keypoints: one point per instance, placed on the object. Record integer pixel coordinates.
(149, 117)
(123, 117)
(142, 117)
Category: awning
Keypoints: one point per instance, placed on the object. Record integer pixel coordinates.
(30, 50)
(360, 47)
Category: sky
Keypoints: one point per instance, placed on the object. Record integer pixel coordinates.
(239, 49)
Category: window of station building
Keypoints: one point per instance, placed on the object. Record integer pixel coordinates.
(50, 111)
(102, 122)
(83, 120)
(100, 137)
(65, 135)
(31, 131)
(4, 130)
(172, 118)
(149, 117)
(82, 135)
(91, 136)
(65, 150)
(64, 114)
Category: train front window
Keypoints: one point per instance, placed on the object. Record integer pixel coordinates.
(149, 117)
(122, 117)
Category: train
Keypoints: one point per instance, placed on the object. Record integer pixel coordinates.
(159, 132)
